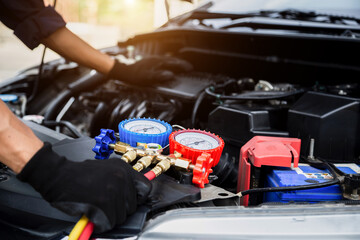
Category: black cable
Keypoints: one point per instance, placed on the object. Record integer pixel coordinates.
(292, 188)
(321, 163)
(38, 79)
(337, 170)
(66, 124)
(300, 187)
(196, 108)
(255, 95)
(13, 87)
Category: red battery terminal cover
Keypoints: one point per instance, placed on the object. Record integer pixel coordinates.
(193, 154)
(266, 151)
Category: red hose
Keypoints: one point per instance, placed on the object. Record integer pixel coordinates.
(86, 233)
(150, 175)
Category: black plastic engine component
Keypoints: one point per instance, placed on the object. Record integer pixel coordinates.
(226, 171)
(88, 81)
(166, 191)
(187, 86)
(246, 122)
(332, 120)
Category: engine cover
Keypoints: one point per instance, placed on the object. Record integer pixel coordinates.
(332, 120)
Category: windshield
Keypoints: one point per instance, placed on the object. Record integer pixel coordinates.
(343, 7)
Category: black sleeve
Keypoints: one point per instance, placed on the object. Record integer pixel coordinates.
(30, 20)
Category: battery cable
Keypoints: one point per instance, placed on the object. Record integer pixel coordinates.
(336, 180)
(285, 189)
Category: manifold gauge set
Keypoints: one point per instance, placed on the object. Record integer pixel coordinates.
(144, 139)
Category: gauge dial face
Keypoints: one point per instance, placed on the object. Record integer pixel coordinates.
(145, 127)
(197, 140)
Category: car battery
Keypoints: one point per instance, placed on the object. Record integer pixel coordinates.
(303, 175)
(260, 153)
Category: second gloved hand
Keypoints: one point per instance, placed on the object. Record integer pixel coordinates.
(106, 191)
(149, 70)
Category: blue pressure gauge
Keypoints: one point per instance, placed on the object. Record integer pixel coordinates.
(144, 130)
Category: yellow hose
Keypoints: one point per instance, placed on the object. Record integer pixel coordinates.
(78, 228)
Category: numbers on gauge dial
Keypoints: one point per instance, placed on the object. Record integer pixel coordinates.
(145, 127)
(197, 140)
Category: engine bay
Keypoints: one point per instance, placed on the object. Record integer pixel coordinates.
(289, 122)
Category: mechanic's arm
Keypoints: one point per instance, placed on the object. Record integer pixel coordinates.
(17, 142)
(70, 46)
(106, 191)
(146, 71)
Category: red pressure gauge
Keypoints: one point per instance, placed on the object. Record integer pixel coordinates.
(192, 143)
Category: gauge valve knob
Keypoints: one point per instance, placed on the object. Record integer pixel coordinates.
(102, 149)
(202, 170)
(144, 130)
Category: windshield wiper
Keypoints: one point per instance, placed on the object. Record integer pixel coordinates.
(307, 15)
(291, 14)
(290, 24)
(288, 19)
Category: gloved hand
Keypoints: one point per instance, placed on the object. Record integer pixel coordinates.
(149, 70)
(106, 191)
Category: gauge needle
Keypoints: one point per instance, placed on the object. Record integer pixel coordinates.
(145, 129)
(196, 143)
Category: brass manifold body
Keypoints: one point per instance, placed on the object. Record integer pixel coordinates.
(151, 156)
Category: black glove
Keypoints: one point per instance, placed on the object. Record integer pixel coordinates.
(149, 70)
(106, 191)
